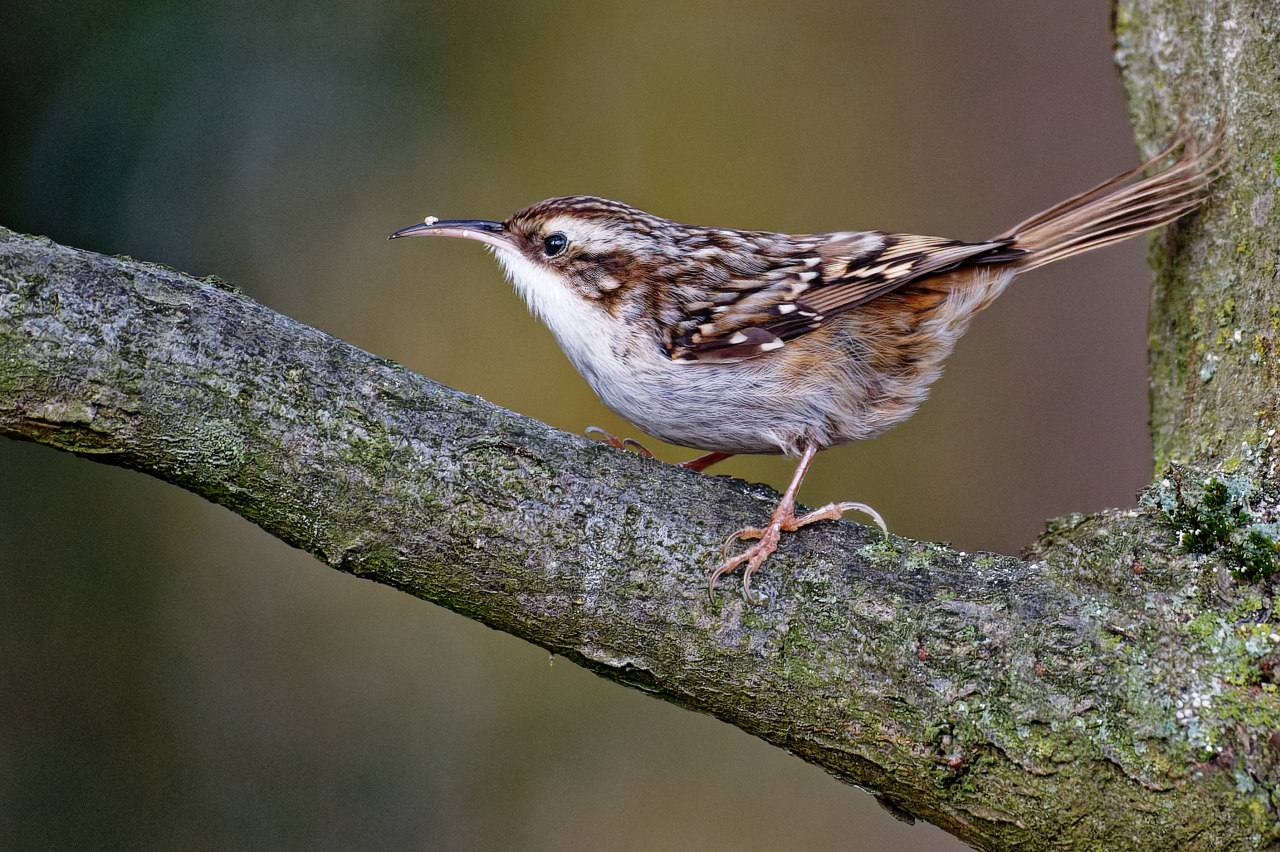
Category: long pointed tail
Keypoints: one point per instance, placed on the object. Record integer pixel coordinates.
(1123, 207)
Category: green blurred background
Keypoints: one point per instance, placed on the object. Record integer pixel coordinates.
(171, 677)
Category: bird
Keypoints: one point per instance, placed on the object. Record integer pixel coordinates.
(736, 341)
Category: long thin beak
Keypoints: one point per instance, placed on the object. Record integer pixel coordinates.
(481, 230)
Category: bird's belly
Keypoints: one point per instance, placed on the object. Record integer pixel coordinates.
(717, 419)
(835, 390)
(752, 408)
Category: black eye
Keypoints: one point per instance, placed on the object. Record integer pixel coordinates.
(554, 244)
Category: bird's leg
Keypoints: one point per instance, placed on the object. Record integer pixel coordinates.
(701, 463)
(784, 519)
(697, 465)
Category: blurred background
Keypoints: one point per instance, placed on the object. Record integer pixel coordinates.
(171, 677)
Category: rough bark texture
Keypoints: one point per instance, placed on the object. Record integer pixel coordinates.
(1215, 306)
(1115, 689)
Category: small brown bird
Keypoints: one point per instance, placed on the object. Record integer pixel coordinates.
(754, 342)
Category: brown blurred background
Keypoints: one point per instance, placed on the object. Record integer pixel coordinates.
(171, 677)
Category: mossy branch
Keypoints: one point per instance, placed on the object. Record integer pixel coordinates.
(1112, 686)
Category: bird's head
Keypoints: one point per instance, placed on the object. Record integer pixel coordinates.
(592, 248)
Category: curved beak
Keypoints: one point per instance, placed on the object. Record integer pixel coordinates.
(481, 230)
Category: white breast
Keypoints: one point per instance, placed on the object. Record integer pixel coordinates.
(580, 327)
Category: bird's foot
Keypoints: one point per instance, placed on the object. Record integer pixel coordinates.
(595, 433)
(784, 520)
(697, 465)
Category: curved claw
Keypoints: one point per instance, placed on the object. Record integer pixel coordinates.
(868, 511)
(725, 567)
(834, 512)
(745, 532)
(595, 433)
(635, 446)
(754, 556)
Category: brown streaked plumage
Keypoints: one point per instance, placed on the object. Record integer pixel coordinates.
(736, 341)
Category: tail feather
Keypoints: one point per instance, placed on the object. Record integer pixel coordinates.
(1122, 207)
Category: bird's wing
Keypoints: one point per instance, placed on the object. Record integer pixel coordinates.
(804, 289)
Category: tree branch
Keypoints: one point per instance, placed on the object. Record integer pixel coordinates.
(1111, 685)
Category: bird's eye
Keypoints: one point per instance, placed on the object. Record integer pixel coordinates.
(554, 244)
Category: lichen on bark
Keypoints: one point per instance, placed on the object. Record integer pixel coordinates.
(1215, 307)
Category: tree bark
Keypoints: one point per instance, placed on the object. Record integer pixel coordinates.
(1215, 308)
(1115, 688)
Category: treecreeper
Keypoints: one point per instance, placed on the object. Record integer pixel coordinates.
(732, 341)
